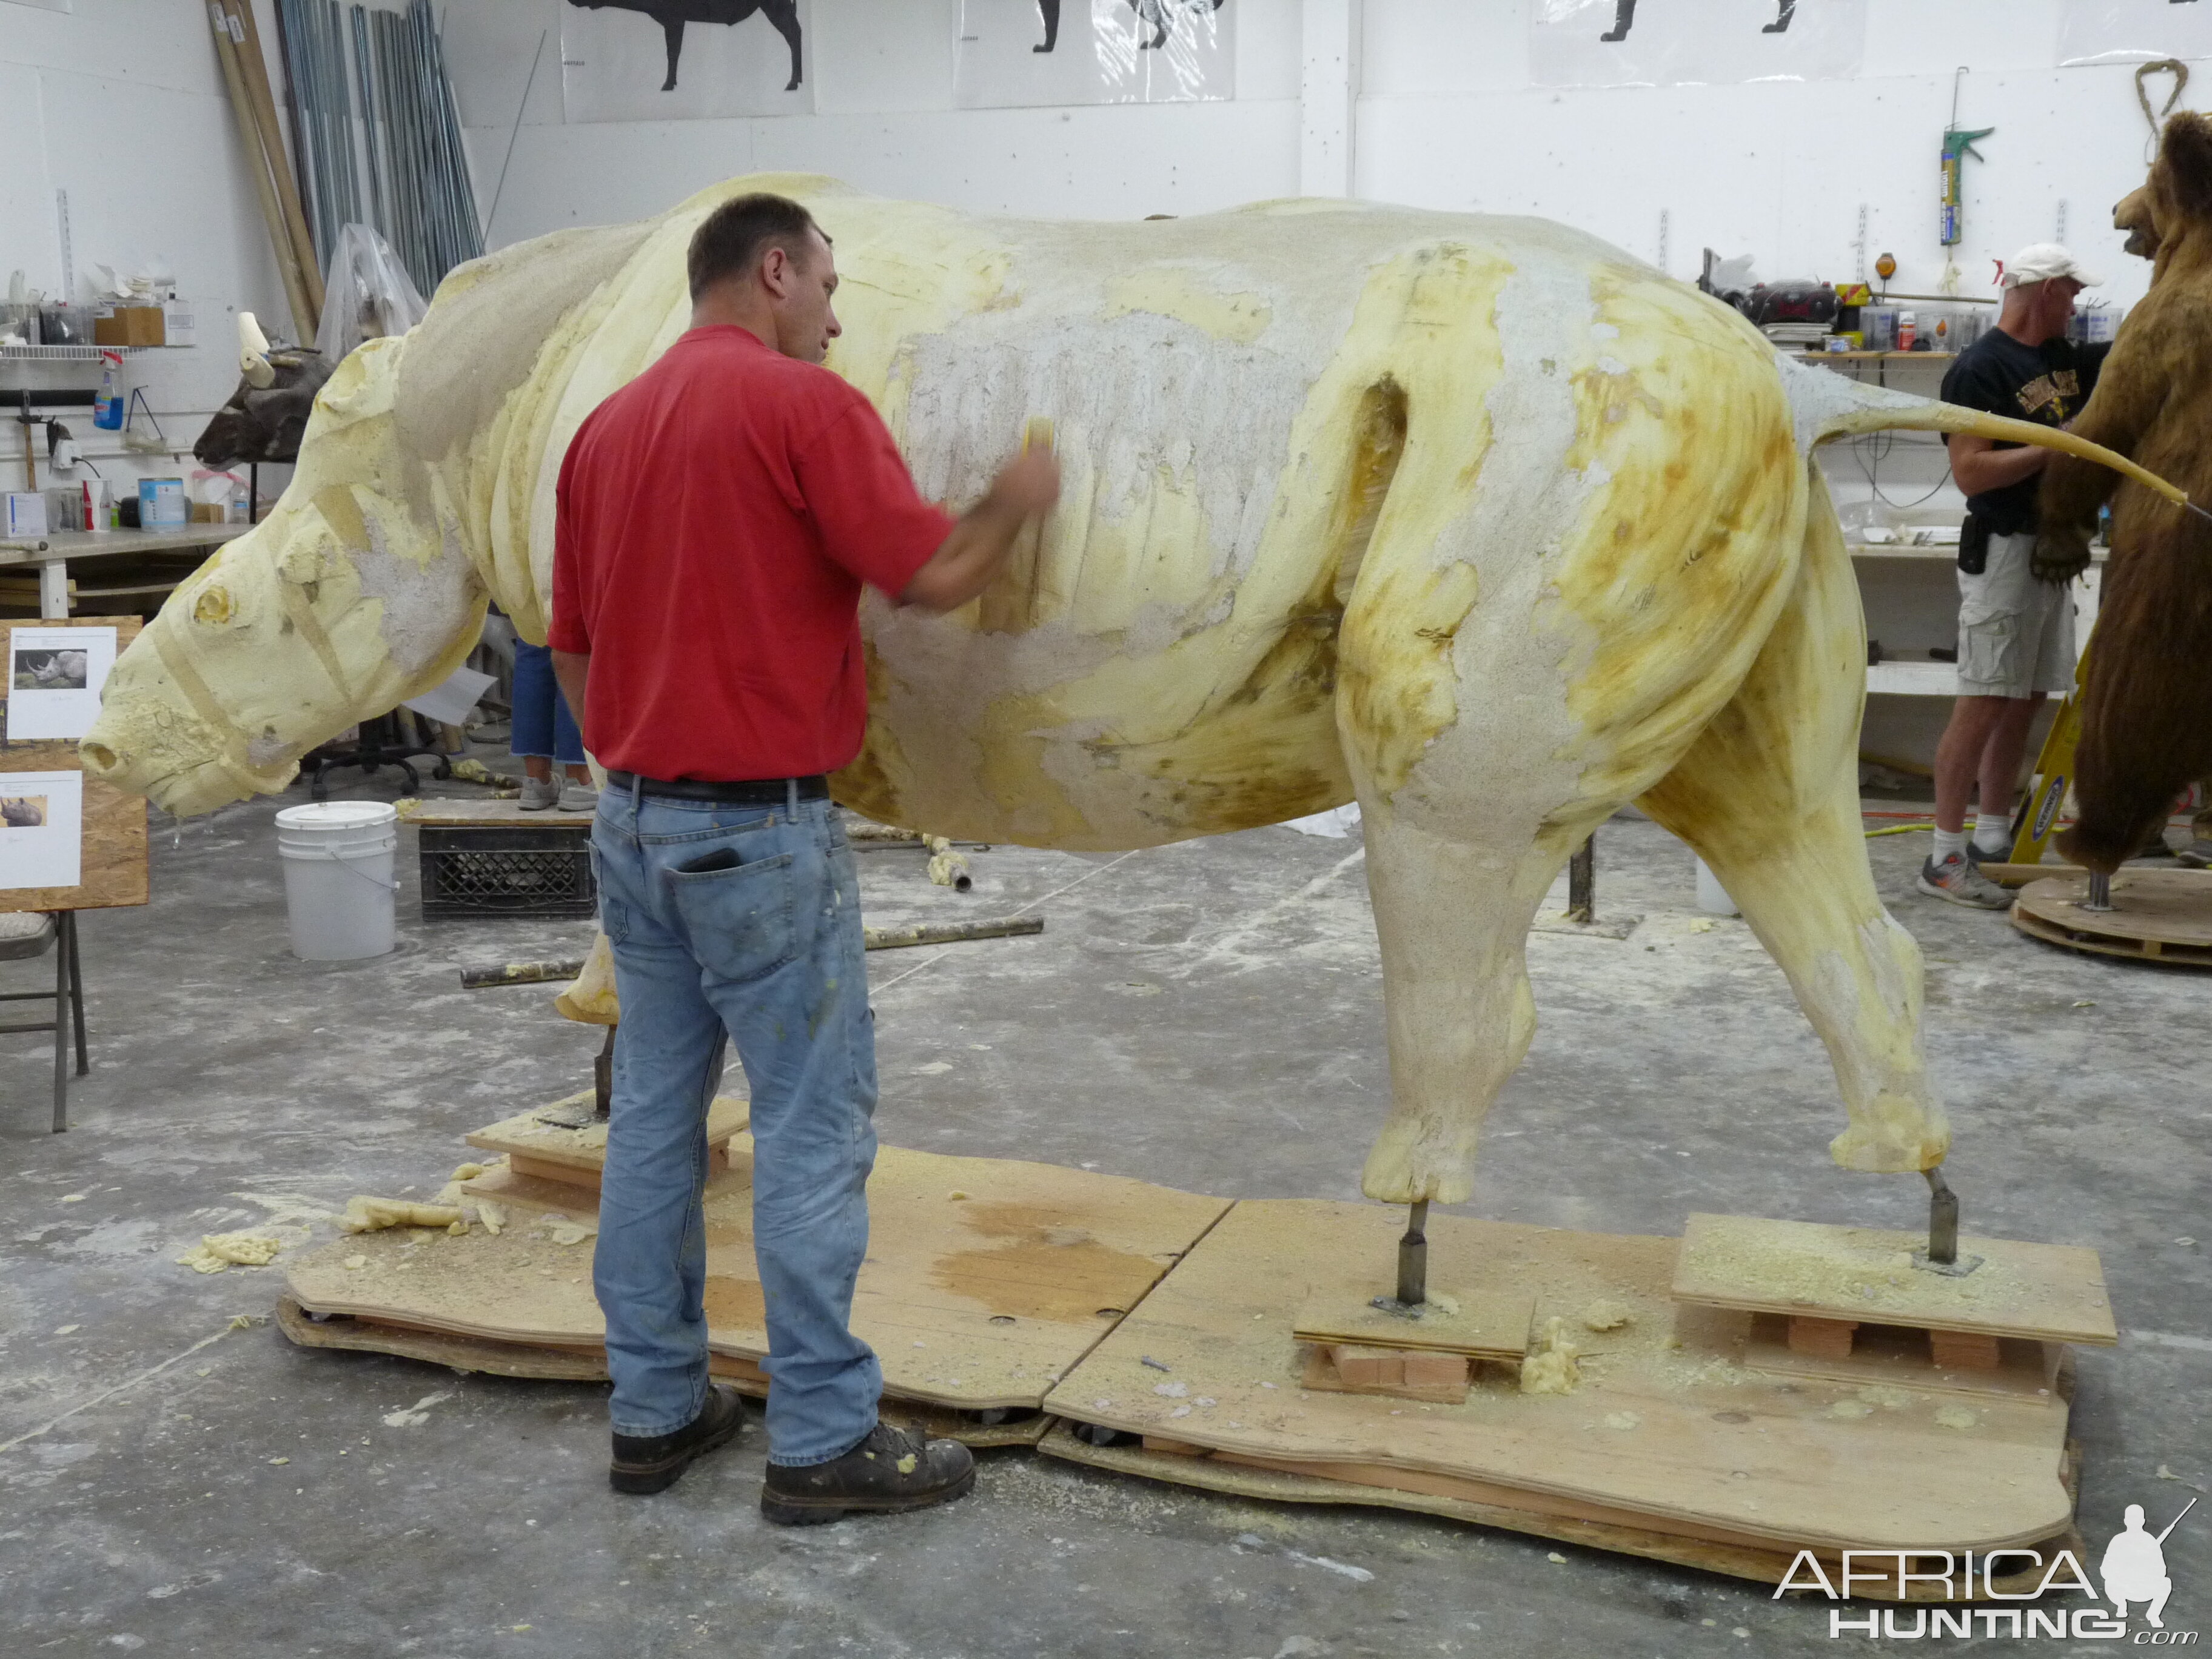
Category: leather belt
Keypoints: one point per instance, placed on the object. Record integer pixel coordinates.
(750, 792)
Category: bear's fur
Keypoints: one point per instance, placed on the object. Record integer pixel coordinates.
(2147, 698)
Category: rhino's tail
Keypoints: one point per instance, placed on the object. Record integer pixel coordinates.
(1829, 406)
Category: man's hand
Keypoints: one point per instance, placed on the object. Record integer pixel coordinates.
(1029, 484)
(2062, 553)
(966, 560)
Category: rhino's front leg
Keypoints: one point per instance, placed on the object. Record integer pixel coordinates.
(1453, 919)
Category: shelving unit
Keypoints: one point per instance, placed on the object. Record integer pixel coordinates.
(73, 354)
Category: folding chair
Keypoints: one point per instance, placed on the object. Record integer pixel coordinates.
(31, 934)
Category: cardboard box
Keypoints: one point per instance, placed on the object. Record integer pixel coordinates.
(128, 326)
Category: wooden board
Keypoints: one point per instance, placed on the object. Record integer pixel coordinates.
(2163, 915)
(1760, 1565)
(1492, 1324)
(985, 1281)
(114, 863)
(2019, 875)
(527, 1135)
(485, 812)
(1889, 1356)
(467, 1354)
(1678, 1439)
(2046, 1292)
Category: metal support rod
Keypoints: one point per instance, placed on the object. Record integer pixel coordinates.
(1414, 1257)
(1942, 1220)
(1582, 882)
(2101, 892)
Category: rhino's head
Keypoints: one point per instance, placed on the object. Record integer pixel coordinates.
(267, 416)
(353, 595)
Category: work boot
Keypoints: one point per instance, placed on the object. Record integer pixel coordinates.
(1957, 879)
(889, 1472)
(650, 1462)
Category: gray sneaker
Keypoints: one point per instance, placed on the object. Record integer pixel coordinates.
(538, 794)
(2197, 855)
(1989, 854)
(579, 796)
(1957, 880)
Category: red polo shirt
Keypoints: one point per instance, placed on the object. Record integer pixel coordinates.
(717, 517)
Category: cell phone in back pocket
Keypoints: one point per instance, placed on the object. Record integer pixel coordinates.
(722, 858)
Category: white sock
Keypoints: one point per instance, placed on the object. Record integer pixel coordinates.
(1993, 830)
(1948, 842)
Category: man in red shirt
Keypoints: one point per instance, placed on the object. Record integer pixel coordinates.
(717, 518)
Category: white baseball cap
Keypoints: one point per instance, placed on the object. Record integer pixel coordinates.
(2038, 262)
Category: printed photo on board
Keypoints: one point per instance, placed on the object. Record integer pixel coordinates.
(50, 670)
(22, 812)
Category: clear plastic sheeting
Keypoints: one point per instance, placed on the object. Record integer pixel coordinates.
(366, 294)
(1659, 43)
(678, 60)
(1015, 52)
(2131, 31)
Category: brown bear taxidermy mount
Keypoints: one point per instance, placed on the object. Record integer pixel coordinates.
(2146, 698)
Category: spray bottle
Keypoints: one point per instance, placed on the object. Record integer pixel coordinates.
(107, 408)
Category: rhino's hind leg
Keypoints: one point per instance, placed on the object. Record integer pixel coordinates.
(1768, 796)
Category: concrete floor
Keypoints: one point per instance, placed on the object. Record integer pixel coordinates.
(1205, 1015)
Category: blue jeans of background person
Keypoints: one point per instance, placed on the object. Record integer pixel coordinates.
(767, 949)
(542, 725)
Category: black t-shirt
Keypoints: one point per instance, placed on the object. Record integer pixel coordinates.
(2047, 384)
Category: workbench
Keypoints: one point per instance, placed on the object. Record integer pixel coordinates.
(141, 592)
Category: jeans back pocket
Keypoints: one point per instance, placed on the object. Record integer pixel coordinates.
(737, 916)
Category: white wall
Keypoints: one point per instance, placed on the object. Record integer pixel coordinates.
(1776, 169)
(122, 103)
(884, 121)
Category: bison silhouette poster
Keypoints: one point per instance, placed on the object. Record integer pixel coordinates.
(659, 60)
(1656, 43)
(1095, 51)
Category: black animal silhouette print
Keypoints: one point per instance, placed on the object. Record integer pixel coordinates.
(1153, 12)
(1624, 19)
(673, 14)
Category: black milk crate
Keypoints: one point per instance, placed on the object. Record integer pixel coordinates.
(470, 871)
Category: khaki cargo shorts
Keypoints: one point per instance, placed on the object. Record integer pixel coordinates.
(2015, 632)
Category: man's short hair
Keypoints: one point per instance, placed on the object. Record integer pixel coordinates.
(738, 232)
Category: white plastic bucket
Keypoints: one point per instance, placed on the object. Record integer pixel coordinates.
(339, 894)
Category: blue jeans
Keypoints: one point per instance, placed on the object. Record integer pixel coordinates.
(768, 950)
(542, 725)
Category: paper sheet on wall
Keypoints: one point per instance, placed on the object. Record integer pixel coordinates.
(41, 829)
(55, 677)
(1658, 43)
(619, 65)
(2132, 31)
(1017, 52)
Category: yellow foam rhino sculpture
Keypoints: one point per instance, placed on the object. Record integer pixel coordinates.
(1477, 520)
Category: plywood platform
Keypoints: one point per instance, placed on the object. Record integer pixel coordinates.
(1669, 1431)
(528, 1134)
(986, 1280)
(2160, 915)
(1762, 1566)
(2044, 1293)
(463, 1353)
